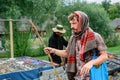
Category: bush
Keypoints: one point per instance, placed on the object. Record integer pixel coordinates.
(35, 48)
(113, 40)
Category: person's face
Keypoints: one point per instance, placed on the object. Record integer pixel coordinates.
(74, 25)
(58, 33)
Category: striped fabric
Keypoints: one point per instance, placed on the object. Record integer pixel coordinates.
(87, 38)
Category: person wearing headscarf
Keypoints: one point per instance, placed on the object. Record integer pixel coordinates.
(84, 43)
(57, 41)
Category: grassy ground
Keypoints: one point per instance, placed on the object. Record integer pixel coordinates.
(114, 50)
(42, 57)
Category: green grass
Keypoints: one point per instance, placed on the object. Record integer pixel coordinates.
(115, 50)
(42, 57)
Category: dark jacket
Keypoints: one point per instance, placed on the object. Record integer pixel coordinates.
(57, 42)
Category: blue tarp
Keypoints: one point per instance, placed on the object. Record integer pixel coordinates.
(33, 74)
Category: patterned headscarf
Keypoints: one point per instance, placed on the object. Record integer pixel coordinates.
(87, 38)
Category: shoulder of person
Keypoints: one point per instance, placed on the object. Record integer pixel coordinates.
(97, 34)
(98, 37)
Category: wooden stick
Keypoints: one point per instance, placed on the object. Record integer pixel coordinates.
(11, 39)
(36, 32)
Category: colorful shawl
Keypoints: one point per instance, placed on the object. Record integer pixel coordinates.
(87, 38)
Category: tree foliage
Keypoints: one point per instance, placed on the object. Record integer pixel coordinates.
(47, 13)
(15, 8)
(106, 4)
(114, 11)
(111, 8)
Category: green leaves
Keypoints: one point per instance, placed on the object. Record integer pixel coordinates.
(114, 11)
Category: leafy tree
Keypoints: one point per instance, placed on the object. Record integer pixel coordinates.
(114, 11)
(106, 4)
(15, 8)
(9, 9)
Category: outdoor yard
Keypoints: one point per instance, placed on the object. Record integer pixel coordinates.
(24, 22)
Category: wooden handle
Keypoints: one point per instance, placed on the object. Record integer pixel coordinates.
(42, 42)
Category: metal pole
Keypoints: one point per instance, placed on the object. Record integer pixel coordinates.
(11, 39)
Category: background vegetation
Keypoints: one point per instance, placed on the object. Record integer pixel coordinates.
(47, 13)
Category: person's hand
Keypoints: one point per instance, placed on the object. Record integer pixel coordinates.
(86, 68)
(48, 50)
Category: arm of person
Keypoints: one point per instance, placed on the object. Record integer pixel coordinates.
(102, 48)
(103, 56)
(86, 68)
(49, 50)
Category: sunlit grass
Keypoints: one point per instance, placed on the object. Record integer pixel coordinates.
(115, 50)
(42, 57)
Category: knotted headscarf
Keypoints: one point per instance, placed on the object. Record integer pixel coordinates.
(87, 41)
